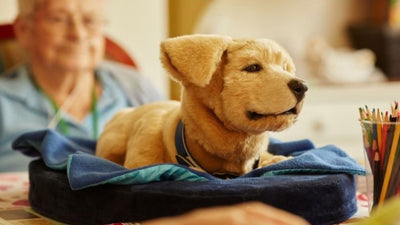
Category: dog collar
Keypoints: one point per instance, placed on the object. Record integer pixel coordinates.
(183, 156)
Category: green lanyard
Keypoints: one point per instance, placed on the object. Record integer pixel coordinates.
(95, 116)
(63, 123)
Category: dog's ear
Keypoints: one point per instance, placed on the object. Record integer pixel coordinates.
(193, 58)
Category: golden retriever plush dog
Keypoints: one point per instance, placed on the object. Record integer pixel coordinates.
(234, 92)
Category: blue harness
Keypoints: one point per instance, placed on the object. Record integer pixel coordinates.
(183, 155)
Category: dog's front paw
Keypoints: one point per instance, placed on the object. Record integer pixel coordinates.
(273, 159)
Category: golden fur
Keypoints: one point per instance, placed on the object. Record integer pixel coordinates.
(226, 109)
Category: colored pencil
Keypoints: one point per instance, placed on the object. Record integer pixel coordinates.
(389, 166)
(376, 177)
(379, 129)
(381, 137)
(385, 128)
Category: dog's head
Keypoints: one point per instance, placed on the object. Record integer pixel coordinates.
(249, 85)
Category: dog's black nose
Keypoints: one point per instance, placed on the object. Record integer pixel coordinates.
(298, 88)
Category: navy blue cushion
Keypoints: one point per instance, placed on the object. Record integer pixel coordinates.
(320, 199)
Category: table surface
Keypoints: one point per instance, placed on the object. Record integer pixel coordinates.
(15, 209)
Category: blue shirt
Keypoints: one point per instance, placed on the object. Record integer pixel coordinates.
(24, 108)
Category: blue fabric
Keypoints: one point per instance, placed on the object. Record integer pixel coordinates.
(317, 184)
(23, 108)
(85, 170)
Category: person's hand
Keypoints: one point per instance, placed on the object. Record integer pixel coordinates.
(251, 213)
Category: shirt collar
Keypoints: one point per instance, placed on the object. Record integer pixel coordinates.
(108, 95)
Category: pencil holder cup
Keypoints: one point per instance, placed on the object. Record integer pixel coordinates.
(382, 162)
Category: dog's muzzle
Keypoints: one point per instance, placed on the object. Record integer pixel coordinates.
(298, 87)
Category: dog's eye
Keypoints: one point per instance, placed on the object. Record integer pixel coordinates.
(253, 68)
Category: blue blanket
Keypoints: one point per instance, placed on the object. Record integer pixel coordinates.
(85, 170)
(317, 183)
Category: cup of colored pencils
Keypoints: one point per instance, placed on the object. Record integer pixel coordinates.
(381, 135)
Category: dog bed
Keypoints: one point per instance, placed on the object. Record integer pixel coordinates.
(71, 185)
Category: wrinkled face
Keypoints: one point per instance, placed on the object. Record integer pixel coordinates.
(260, 91)
(66, 35)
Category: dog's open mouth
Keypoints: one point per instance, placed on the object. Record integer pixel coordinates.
(255, 116)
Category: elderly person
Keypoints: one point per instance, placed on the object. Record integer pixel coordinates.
(65, 85)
